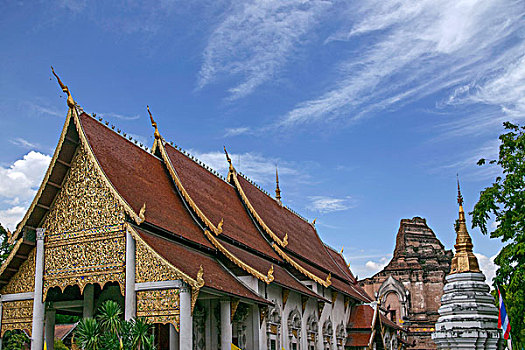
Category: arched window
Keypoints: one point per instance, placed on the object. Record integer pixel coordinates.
(312, 329)
(340, 336)
(273, 328)
(327, 334)
(294, 329)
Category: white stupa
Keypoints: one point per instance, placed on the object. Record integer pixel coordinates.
(468, 316)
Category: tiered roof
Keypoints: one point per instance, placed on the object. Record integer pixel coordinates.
(191, 216)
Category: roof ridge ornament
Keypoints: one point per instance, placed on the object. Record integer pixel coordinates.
(70, 102)
(231, 169)
(464, 259)
(153, 124)
(277, 189)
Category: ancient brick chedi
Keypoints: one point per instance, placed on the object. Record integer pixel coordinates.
(411, 285)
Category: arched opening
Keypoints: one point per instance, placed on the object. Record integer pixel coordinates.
(294, 329)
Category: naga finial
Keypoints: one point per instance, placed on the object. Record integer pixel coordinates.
(342, 249)
(70, 101)
(153, 124)
(269, 275)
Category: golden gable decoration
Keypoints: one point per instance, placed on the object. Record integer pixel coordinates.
(24, 280)
(85, 237)
(17, 315)
(160, 306)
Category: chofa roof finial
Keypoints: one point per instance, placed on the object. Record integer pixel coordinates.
(154, 124)
(70, 101)
(277, 189)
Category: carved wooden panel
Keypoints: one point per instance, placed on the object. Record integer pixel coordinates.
(159, 306)
(24, 280)
(17, 315)
(150, 267)
(85, 236)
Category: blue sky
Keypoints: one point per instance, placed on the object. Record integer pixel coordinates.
(369, 109)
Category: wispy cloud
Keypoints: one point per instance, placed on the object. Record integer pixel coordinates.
(406, 50)
(259, 168)
(24, 143)
(237, 131)
(41, 109)
(326, 204)
(256, 40)
(121, 116)
(18, 184)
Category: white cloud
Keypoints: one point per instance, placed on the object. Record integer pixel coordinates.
(18, 184)
(487, 266)
(10, 217)
(257, 167)
(41, 109)
(405, 50)
(237, 131)
(326, 204)
(23, 143)
(256, 40)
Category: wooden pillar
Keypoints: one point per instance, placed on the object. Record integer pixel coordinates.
(37, 338)
(89, 301)
(50, 329)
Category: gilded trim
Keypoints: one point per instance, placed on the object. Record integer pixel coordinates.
(268, 278)
(284, 242)
(127, 208)
(326, 283)
(46, 177)
(196, 284)
(215, 229)
(11, 256)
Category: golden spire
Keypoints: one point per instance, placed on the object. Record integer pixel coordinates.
(154, 124)
(70, 101)
(464, 260)
(277, 189)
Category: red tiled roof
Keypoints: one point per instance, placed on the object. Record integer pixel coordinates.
(341, 263)
(189, 260)
(218, 200)
(302, 237)
(282, 277)
(63, 330)
(358, 339)
(361, 317)
(141, 178)
(344, 286)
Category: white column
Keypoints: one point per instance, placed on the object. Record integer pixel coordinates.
(37, 338)
(255, 326)
(130, 308)
(174, 338)
(226, 325)
(89, 301)
(186, 319)
(50, 329)
(208, 327)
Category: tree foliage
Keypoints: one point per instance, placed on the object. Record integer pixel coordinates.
(5, 247)
(504, 202)
(108, 331)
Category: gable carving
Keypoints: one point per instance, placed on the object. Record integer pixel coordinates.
(85, 235)
(24, 280)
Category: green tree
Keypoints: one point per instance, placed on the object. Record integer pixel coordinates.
(108, 331)
(504, 201)
(5, 247)
(15, 340)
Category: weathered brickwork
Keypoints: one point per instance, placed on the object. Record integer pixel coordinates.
(411, 285)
